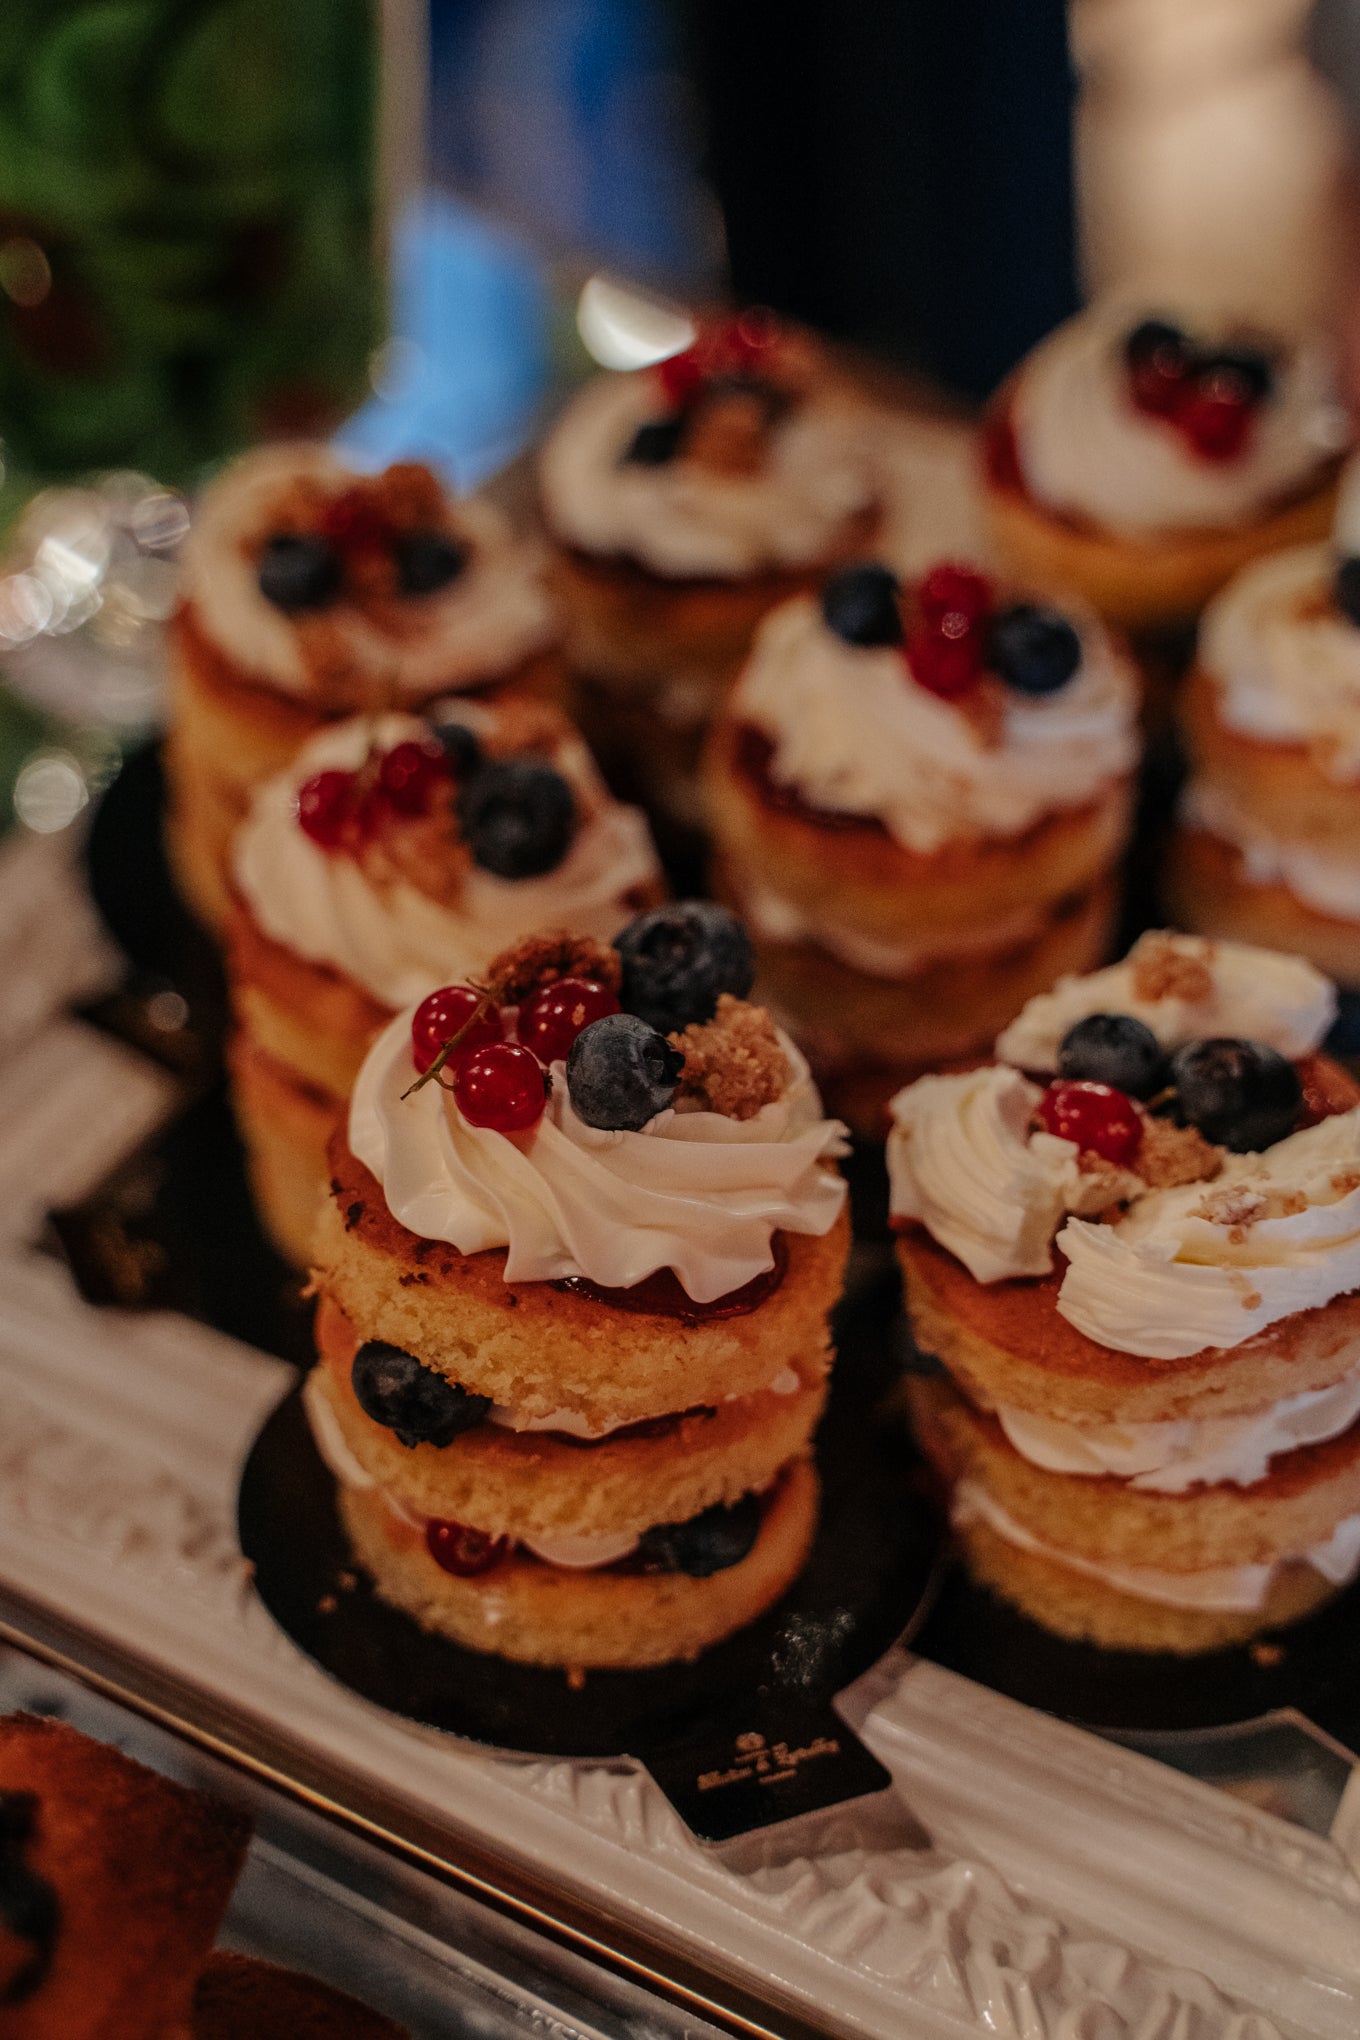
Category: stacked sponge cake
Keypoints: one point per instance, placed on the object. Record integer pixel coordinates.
(573, 1339)
(1152, 1435)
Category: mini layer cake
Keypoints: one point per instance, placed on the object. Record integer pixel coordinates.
(686, 501)
(919, 801)
(1152, 1434)
(1268, 846)
(391, 854)
(1139, 463)
(310, 592)
(113, 1883)
(574, 1291)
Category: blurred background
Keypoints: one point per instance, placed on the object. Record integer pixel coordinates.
(221, 219)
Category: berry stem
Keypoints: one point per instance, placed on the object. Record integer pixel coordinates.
(482, 1006)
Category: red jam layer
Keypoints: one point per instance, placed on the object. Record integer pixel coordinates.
(660, 1295)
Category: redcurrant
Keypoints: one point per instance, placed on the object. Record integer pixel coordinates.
(681, 376)
(951, 589)
(1095, 1117)
(463, 1551)
(1218, 416)
(326, 807)
(410, 773)
(501, 1086)
(353, 519)
(438, 1018)
(947, 665)
(552, 1018)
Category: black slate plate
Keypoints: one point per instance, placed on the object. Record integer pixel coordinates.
(745, 1736)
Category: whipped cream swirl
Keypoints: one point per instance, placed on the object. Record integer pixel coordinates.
(1284, 662)
(1086, 451)
(1231, 1588)
(685, 520)
(854, 733)
(693, 1191)
(1167, 1458)
(1260, 994)
(392, 939)
(486, 622)
(1323, 879)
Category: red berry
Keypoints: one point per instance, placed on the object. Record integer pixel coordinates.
(1099, 1119)
(951, 589)
(326, 807)
(463, 1551)
(353, 519)
(1160, 382)
(410, 773)
(550, 1021)
(681, 376)
(751, 336)
(1218, 415)
(944, 665)
(439, 1017)
(501, 1086)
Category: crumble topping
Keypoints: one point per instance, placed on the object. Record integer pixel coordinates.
(733, 1062)
(543, 959)
(1170, 1156)
(1172, 967)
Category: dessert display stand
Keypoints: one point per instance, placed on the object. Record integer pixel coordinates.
(1021, 1877)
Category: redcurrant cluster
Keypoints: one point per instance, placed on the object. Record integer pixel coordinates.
(742, 348)
(1211, 398)
(947, 649)
(1097, 1118)
(497, 1082)
(343, 810)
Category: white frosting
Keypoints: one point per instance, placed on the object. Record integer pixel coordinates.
(1167, 1458)
(1257, 993)
(330, 1440)
(1321, 879)
(854, 733)
(682, 519)
(394, 940)
(962, 1161)
(778, 919)
(693, 1191)
(1236, 1588)
(1085, 451)
(482, 625)
(1183, 1271)
(1285, 664)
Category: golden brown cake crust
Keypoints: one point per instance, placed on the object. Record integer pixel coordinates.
(532, 1484)
(543, 1614)
(142, 1869)
(538, 1347)
(240, 1998)
(1208, 889)
(1283, 786)
(1297, 1505)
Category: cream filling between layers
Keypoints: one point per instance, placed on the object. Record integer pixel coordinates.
(1256, 993)
(574, 1425)
(1231, 1588)
(1168, 1458)
(394, 940)
(692, 1191)
(1085, 451)
(682, 520)
(1319, 879)
(1283, 660)
(779, 919)
(855, 734)
(488, 621)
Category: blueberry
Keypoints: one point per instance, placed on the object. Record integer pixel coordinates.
(679, 959)
(461, 746)
(860, 605)
(1248, 366)
(518, 817)
(1240, 1094)
(427, 560)
(1114, 1048)
(621, 1072)
(1034, 649)
(298, 570)
(1348, 588)
(399, 1391)
(1153, 337)
(657, 442)
(708, 1543)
